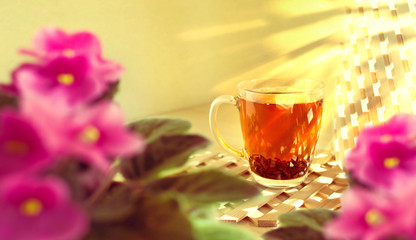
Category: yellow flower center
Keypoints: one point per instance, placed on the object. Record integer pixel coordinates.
(391, 162)
(66, 79)
(15, 147)
(386, 138)
(374, 217)
(90, 134)
(31, 207)
(68, 52)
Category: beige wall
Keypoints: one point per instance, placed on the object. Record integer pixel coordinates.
(179, 53)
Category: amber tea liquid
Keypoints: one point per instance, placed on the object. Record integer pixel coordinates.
(280, 139)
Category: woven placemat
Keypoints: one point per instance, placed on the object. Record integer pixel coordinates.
(322, 189)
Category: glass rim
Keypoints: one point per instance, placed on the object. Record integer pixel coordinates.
(320, 86)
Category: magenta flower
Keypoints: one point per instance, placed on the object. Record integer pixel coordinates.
(404, 194)
(401, 127)
(21, 145)
(33, 208)
(98, 133)
(51, 42)
(385, 154)
(94, 133)
(368, 215)
(380, 165)
(71, 79)
(50, 118)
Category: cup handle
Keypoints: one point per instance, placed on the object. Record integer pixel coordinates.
(213, 122)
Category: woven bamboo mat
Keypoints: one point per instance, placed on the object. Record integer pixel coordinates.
(322, 189)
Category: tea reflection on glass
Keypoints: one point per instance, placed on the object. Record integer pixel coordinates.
(280, 122)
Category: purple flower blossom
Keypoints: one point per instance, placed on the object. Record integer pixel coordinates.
(369, 215)
(34, 208)
(401, 127)
(380, 165)
(50, 118)
(71, 79)
(94, 133)
(21, 145)
(61, 116)
(385, 154)
(51, 42)
(404, 204)
(98, 133)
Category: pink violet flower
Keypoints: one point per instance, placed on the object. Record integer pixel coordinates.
(380, 165)
(73, 80)
(385, 154)
(39, 209)
(51, 42)
(401, 127)
(98, 133)
(50, 118)
(92, 133)
(368, 215)
(21, 145)
(404, 203)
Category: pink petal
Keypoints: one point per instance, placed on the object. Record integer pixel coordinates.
(105, 113)
(50, 38)
(123, 144)
(66, 222)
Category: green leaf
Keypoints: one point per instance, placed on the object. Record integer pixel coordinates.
(212, 230)
(153, 128)
(161, 218)
(117, 205)
(313, 218)
(112, 232)
(206, 186)
(155, 217)
(294, 233)
(167, 152)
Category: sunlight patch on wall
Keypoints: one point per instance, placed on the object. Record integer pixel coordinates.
(215, 31)
(306, 36)
(302, 7)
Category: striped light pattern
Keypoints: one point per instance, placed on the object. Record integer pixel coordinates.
(377, 80)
